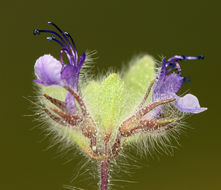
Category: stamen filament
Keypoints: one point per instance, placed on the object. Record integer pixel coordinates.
(68, 35)
(75, 49)
(52, 38)
(51, 32)
(181, 57)
(65, 37)
(177, 65)
(62, 43)
(68, 55)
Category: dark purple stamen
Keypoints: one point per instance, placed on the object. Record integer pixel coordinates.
(65, 37)
(186, 79)
(174, 65)
(67, 53)
(182, 57)
(52, 38)
(68, 35)
(64, 42)
(75, 49)
(193, 58)
(36, 31)
(176, 57)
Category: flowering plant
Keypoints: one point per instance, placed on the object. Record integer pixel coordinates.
(102, 117)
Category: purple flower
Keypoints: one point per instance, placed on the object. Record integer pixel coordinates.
(168, 83)
(49, 71)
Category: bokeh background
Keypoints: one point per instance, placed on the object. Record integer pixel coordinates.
(118, 30)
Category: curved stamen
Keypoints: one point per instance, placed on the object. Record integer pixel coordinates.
(182, 57)
(62, 43)
(37, 31)
(177, 67)
(75, 49)
(68, 35)
(177, 57)
(52, 38)
(68, 55)
(70, 58)
(193, 58)
(174, 65)
(173, 61)
(186, 80)
(65, 37)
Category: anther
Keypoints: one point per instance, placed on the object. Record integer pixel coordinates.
(68, 35)
(65, 37)
(201, 57)
(186, 80)
(36, 31)
(50, 38)
(192, 57)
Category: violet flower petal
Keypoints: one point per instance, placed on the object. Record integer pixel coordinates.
(70, 103)
(47, 69)
(68, 75)
(170, 84)
(166, 84)
(81, 61)
(189, 103)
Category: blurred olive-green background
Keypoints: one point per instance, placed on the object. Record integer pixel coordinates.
(118, 30)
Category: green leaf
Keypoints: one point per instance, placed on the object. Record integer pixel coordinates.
(91, 94)
(111, 101)
(138, 79)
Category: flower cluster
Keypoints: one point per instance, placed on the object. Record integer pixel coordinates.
(50, 71)
(101, 117)
(167, 85)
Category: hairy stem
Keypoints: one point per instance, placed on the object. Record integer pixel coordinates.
(104, 175)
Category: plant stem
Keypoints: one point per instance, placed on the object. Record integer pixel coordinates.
(104, 175)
